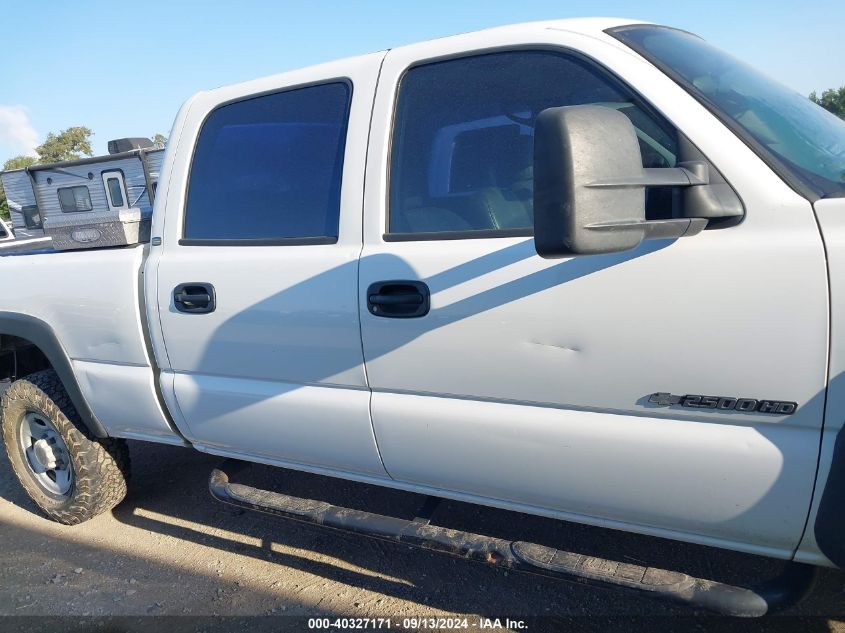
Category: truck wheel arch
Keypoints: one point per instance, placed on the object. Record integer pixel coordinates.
(42, 336)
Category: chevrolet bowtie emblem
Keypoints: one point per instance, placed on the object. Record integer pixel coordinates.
(664, 399)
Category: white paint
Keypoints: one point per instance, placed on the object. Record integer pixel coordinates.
(592, 337)
(302, 424)
(286, 318)
(120, 397)
(831, 217)
(89, 299)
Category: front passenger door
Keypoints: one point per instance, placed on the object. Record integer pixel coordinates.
(526, 383)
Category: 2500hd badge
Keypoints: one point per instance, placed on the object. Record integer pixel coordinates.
(725, 403)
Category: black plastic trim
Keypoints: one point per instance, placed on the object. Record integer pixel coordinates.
(145, 166)
(769, 158)
(269, 241)
(42, 336)
(182, 301)
(397, 305)
(83, 161)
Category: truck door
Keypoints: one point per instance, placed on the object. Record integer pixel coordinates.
(258, 268)
(528, 383)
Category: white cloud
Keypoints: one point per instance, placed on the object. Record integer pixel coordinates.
(16, 131)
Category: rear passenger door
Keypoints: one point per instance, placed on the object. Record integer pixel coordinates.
(526, 382)
(258, 267)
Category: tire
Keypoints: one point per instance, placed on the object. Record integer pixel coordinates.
(89, 475)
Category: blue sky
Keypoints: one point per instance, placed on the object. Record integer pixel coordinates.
(123, 67)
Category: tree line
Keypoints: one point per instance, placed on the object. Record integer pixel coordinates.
(832, 100)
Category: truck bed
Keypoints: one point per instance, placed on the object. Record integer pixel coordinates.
(26, 246)
(90, 301)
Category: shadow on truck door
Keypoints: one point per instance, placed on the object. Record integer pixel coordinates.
(283, 378)
(574, 349)
(244, 325)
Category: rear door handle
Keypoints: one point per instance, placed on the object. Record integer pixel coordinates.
(194, 298)
(398, 299)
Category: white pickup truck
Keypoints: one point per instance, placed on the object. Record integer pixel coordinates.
(585, 269)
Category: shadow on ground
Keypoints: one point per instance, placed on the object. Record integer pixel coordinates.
(451, 585)
(175, 541)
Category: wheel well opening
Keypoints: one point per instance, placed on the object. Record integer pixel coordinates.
(20, 357)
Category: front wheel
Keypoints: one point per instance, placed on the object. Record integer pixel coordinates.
(71, 475)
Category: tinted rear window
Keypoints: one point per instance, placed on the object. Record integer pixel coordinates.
(270, 167)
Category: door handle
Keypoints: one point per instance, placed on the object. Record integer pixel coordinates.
(191, 299)
(398, 299)
(194, 298)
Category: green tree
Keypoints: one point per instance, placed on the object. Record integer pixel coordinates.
(832, 100)
(159, 140)
(18, 162)
(69, 144)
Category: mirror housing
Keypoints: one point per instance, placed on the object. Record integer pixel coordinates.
(589, 186)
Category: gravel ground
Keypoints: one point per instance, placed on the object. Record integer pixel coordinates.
(169, 549)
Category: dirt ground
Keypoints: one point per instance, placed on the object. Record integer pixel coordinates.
(170, 550)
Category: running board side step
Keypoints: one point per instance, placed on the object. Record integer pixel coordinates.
(778, 593)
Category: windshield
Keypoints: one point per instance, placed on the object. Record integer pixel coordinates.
(802, 141)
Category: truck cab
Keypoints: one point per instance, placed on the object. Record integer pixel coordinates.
(582, 269)
(409, 173)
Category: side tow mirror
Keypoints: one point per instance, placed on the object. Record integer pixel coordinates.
(589, 185)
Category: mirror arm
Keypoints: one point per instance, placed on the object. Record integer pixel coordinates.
(703, 198)
(656, 229)
(659, 177)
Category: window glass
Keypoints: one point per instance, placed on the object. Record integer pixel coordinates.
(806, 139)
(31, 217)
(3, 232)
(75, 199)
(115, 194)
(270, 167)
(462, 155)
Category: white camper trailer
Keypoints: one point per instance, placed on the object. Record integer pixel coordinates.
(90, 202)
(101, 201)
